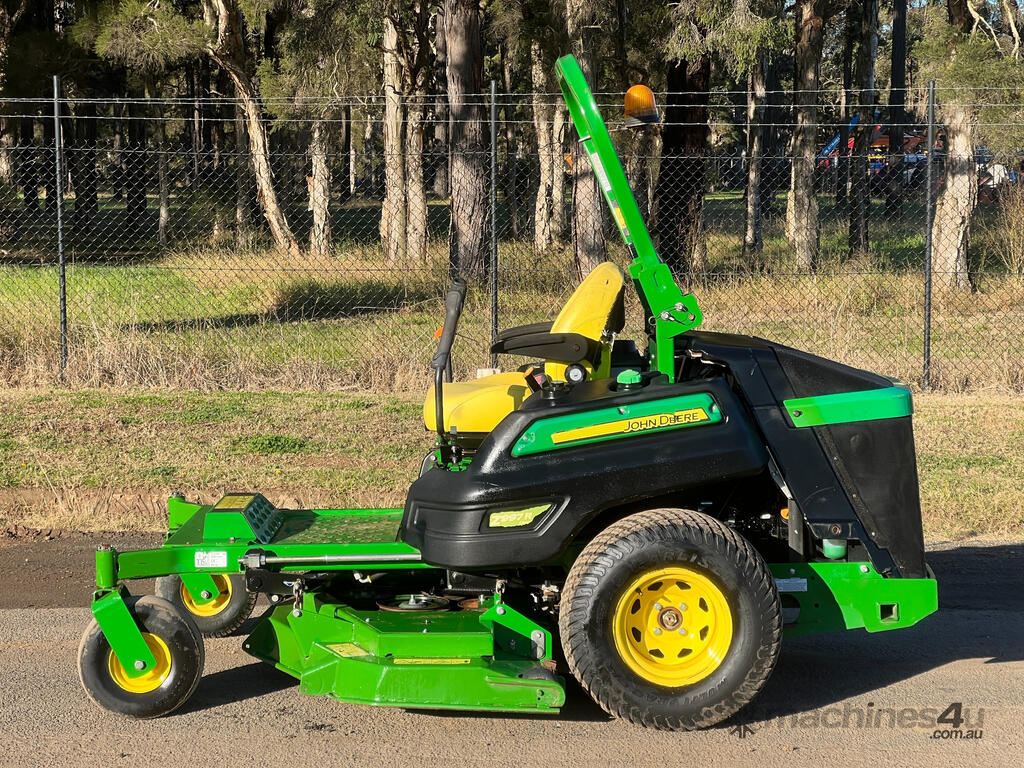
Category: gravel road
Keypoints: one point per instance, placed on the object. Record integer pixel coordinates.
(828, 701)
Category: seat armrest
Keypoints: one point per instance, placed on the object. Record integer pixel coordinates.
(563, 347)
(523, 330)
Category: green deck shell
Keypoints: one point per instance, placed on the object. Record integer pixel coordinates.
(429, 659)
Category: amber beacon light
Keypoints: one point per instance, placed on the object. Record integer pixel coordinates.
(640, 106)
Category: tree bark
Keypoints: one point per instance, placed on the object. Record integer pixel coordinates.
(465, 75)
(135, 161)
(951, 229)
(867, 97)
(802, 205)
(682, 179)
(243, 181)
(559, 224)
(416, 192)
(82, 160)
(10, 13)
(439, 146)
(320, 190)
(228, 51)
(897, 102)
(846, 100)
(588, 242)
(394, 225)
(543, 115)
(163, 181)
(753, 239)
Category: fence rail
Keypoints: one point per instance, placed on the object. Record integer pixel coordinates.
(136, 247)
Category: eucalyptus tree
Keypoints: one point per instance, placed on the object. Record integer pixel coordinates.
(148, 34)
(973, 49)
(322, 54)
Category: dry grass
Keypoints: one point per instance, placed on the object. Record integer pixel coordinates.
(213, 318)
(103, 459)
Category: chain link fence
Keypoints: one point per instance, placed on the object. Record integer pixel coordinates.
(161, 253)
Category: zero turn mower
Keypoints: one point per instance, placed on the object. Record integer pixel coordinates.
(662, 517)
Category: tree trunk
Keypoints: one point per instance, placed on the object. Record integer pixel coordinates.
(679, 196)
(163, 181)
(543, 114)
(8, 128)
(753, 240)
(558, 218)
(897, 100)
(82, 160)
(469, 183)
(394, 226)
(860, 190)
(802, 205)
(588, 243)
(510, 168)
(320, 190)
(227, 50)
(846, 101)
(135, 161)
(951, 229)
(439, 146)
(243, 181)
(27, 168)
(344, 131)
(416, 191)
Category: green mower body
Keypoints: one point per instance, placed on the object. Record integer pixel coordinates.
(732, 488)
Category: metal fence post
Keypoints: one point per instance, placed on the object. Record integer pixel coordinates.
(58, 151)
(494, 220)
(926, 378)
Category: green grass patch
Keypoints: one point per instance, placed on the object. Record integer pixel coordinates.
(267, 445)
(92, 470)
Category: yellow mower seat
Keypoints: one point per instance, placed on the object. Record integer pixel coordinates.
(594, 311)
(476, 407)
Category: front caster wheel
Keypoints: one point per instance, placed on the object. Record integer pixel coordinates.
(670, 619)
(223, 615)
(175, 642)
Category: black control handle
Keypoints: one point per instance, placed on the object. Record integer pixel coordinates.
(453, 302)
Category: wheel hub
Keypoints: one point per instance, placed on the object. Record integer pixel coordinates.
(673, 626)
(148, 681)
(215, 606)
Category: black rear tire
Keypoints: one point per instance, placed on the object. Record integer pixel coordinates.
(227, 616)
(603, 579)
(180, 647)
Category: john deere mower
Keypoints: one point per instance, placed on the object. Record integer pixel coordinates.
(652, 519)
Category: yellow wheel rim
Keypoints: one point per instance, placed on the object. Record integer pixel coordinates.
(215, 606)
(149, 680)
(672, 626)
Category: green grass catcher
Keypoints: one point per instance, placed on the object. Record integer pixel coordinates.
(652, 519)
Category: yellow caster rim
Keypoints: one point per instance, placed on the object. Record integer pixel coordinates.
(672, 626)
(151, 679)
(215, 606)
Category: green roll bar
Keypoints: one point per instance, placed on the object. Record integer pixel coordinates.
(668, 311)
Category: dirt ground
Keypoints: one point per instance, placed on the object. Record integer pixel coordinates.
(246, 713)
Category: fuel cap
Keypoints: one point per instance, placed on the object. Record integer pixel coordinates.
(628, 377)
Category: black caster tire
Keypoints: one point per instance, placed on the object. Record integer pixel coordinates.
(217, 619)
(670, 619)
(177, 646)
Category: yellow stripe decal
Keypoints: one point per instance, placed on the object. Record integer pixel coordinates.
(626, 426)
